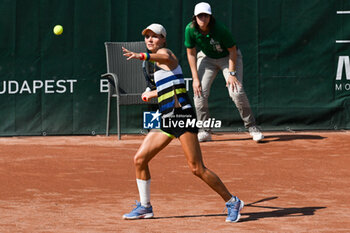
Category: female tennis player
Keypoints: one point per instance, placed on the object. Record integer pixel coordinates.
(174, 105)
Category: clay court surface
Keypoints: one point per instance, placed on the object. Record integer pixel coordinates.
(292, 182)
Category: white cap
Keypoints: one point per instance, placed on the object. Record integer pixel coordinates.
(202, 7)
(156, 28)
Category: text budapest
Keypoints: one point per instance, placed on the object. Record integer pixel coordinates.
(34, 86)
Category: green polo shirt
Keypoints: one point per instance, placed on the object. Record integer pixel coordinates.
(214, 44)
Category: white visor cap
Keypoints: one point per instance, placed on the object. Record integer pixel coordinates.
(156, 28)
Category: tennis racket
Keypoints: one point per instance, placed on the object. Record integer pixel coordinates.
(148, 71)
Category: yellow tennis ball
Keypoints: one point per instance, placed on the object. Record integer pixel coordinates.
(58, 30)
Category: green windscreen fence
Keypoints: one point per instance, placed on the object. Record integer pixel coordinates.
(295, 54)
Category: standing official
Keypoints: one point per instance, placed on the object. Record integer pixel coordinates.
(218, 51)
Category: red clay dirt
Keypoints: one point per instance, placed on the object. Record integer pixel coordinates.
(292, 182)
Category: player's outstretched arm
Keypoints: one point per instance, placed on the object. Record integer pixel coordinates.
(162, 56)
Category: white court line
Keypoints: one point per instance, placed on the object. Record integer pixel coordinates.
(343, 12)
(342, 41)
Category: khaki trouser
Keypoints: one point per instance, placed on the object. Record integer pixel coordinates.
(207, 71)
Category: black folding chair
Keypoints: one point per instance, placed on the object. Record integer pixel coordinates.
(125, 78)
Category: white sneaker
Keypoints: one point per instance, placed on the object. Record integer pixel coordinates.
(204, 136)
(255, 133)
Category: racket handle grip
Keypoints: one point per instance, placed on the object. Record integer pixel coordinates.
(148, 89)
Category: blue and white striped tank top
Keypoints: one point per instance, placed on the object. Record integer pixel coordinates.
(168, 83)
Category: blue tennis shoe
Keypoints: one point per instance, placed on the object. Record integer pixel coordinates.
(139, 212)
(233, 209)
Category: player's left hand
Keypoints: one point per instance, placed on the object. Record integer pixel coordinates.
(233, 83)
(130, 54)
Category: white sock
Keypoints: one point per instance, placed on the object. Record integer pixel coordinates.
(233, 199)
(144, 191)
